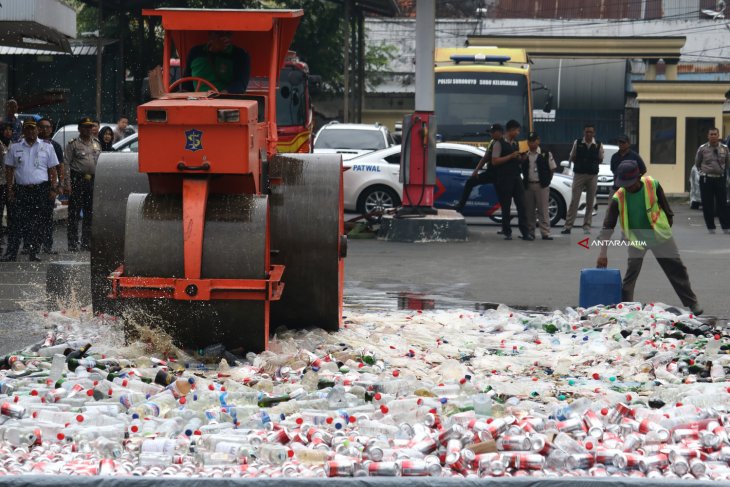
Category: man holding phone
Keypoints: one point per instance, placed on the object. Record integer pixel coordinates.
(507, 161)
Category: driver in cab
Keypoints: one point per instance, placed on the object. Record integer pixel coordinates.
(226, 66)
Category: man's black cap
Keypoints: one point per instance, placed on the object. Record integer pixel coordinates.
(86, 121)
(627, 174)
(30, 123)
(533, 136)
(623, 138)
(496, 128)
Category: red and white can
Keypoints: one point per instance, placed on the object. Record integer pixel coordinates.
(339, 468)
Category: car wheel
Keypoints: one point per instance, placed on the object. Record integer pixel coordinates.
(377, 198)
(556, 208)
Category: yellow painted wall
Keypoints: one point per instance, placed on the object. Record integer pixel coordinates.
(384, 117)
(725, 125)
(671, 176)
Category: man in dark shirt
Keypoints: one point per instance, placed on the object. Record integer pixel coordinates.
(227, 66)
(507, 162)
(624, 154)
(45, 132)
(586, 156)
(643, 211)
(485, 177)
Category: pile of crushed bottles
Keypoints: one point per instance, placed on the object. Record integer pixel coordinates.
(630, 391)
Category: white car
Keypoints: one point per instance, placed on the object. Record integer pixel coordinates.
(371, 183)
(351, 139)
(605, 176)
(127, 144)
(67, 133)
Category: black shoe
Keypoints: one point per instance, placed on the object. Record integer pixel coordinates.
(565, 231)
(547, 237)
(24, 252)
(527, 237)
(508, 237)
(73, 249)
(86, 248)
(34, 258)
(50, 251)
(8, 258)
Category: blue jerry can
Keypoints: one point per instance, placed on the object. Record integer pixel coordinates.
(600, 286)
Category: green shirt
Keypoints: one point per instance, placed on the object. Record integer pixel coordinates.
(638, 218)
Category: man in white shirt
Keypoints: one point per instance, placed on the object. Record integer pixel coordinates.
(30, 170)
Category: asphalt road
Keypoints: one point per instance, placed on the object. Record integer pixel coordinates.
(538, 273)
(486, 269)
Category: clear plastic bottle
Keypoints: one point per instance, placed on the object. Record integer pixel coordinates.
(275, 454)
(377, 428)
(19, 436)
(568, 444)
(482, 404)
(58, 365)
(157, 405)
(108, 448)
(713, 347)
(310, 456)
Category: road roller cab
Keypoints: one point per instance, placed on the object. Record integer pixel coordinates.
(210, 234)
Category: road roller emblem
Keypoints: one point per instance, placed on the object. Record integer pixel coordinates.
(193, 140)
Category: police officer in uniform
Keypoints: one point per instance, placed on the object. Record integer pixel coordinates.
(81, 155)
(30, 170)
(712, 161)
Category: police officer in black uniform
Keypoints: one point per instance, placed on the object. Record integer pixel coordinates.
(507, 162)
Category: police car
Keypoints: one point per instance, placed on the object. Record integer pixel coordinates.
(351, 139)
(371, 183)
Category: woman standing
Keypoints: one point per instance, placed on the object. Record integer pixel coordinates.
(106, 137)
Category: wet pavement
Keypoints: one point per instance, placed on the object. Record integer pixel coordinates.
(473, 275)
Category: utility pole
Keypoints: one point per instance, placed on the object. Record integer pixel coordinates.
(98, 62)
(346, 77)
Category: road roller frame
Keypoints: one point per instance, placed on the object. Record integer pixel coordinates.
(203, 145)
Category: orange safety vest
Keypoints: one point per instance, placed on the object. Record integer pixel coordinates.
(657, 218)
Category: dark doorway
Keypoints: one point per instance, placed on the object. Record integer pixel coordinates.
(695, 135)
